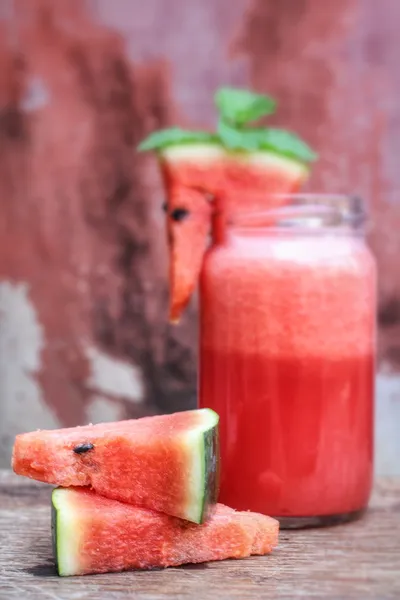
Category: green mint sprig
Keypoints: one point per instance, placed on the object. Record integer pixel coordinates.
(237, 110)
(280, 141)
(240, 107)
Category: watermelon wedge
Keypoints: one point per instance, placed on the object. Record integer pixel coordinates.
(206, 185)
(189, 217)
(211, 176)
(168, 463)
(92, 534)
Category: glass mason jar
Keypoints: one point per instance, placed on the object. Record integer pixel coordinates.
(287, 352)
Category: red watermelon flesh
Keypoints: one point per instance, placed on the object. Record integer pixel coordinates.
(208, 185)
(92, 534)
(167, 463)
(189, 218)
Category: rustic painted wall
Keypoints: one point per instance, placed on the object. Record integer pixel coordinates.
(83, 294)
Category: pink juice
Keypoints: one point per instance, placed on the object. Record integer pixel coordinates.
(287, 342)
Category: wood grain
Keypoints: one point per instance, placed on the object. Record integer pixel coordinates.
(358, 560)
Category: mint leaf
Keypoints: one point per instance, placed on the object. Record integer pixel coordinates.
(238, 139)
(279, 141)
(174, 135)
(286, 143)
(241, 106)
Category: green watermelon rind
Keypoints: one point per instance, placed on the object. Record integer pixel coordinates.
(203, 486)
(65, 545)
(212, 472)
(209, 154)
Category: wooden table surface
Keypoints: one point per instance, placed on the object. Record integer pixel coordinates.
(357, 560)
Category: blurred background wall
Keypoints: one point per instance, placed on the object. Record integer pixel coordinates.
(83, 291)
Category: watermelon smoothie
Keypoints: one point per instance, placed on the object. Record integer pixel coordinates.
(287, 344)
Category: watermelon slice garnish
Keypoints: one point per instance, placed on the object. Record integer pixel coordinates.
(189, 217)
(92, 534)
(168, 463)
(213, 175)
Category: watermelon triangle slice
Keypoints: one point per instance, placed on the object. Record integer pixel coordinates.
(189, 218)
(242, 165)
(168, 463)
(205, 185)
(92, 534)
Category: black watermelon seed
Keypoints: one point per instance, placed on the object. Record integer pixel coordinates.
(82, 448)
(178, 214)
(164, 206)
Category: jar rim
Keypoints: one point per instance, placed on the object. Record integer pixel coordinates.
(305, 211)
